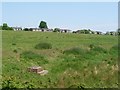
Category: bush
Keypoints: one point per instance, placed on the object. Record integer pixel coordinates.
(43, 46)
(28, 55)
(75, 51)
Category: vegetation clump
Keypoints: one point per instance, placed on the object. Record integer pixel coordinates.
(43, 46)
(28, 55)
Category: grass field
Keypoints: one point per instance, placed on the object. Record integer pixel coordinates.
(73, 61)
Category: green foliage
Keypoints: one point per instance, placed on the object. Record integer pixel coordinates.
(0, 27)
(8, 84)
(11, 84)
(10, 28)
(43, 24)
(84, 31)
(6, 27)
(43, 46)
(26, 29)
(56, 30)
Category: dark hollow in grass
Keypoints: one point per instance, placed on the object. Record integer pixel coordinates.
(91, 46)
(15, 51)
(13, 43)
(43, 46)
(75, 51)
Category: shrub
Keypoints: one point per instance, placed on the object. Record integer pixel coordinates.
(28, 55)
(75, 51)
(43, 46)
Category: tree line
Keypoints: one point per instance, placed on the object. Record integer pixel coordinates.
(43, 25)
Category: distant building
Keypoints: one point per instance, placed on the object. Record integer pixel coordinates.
(36, 29)
(17, 28)
(113, 33)
(46, 30)
(98, 32)
(65, 30)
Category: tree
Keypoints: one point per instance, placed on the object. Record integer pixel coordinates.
(10, 28)
(26, 29)
(5, 26)
(43, 24)
(56, 30)
(30, 29)
(87, 31)
(0, 27)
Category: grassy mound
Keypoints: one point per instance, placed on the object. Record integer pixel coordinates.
(98, 49)
(74, 51)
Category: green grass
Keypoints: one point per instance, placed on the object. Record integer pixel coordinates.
(73, 60)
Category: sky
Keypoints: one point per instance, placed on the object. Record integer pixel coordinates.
(98, 16)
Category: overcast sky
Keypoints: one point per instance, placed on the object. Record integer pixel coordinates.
(98, 16)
